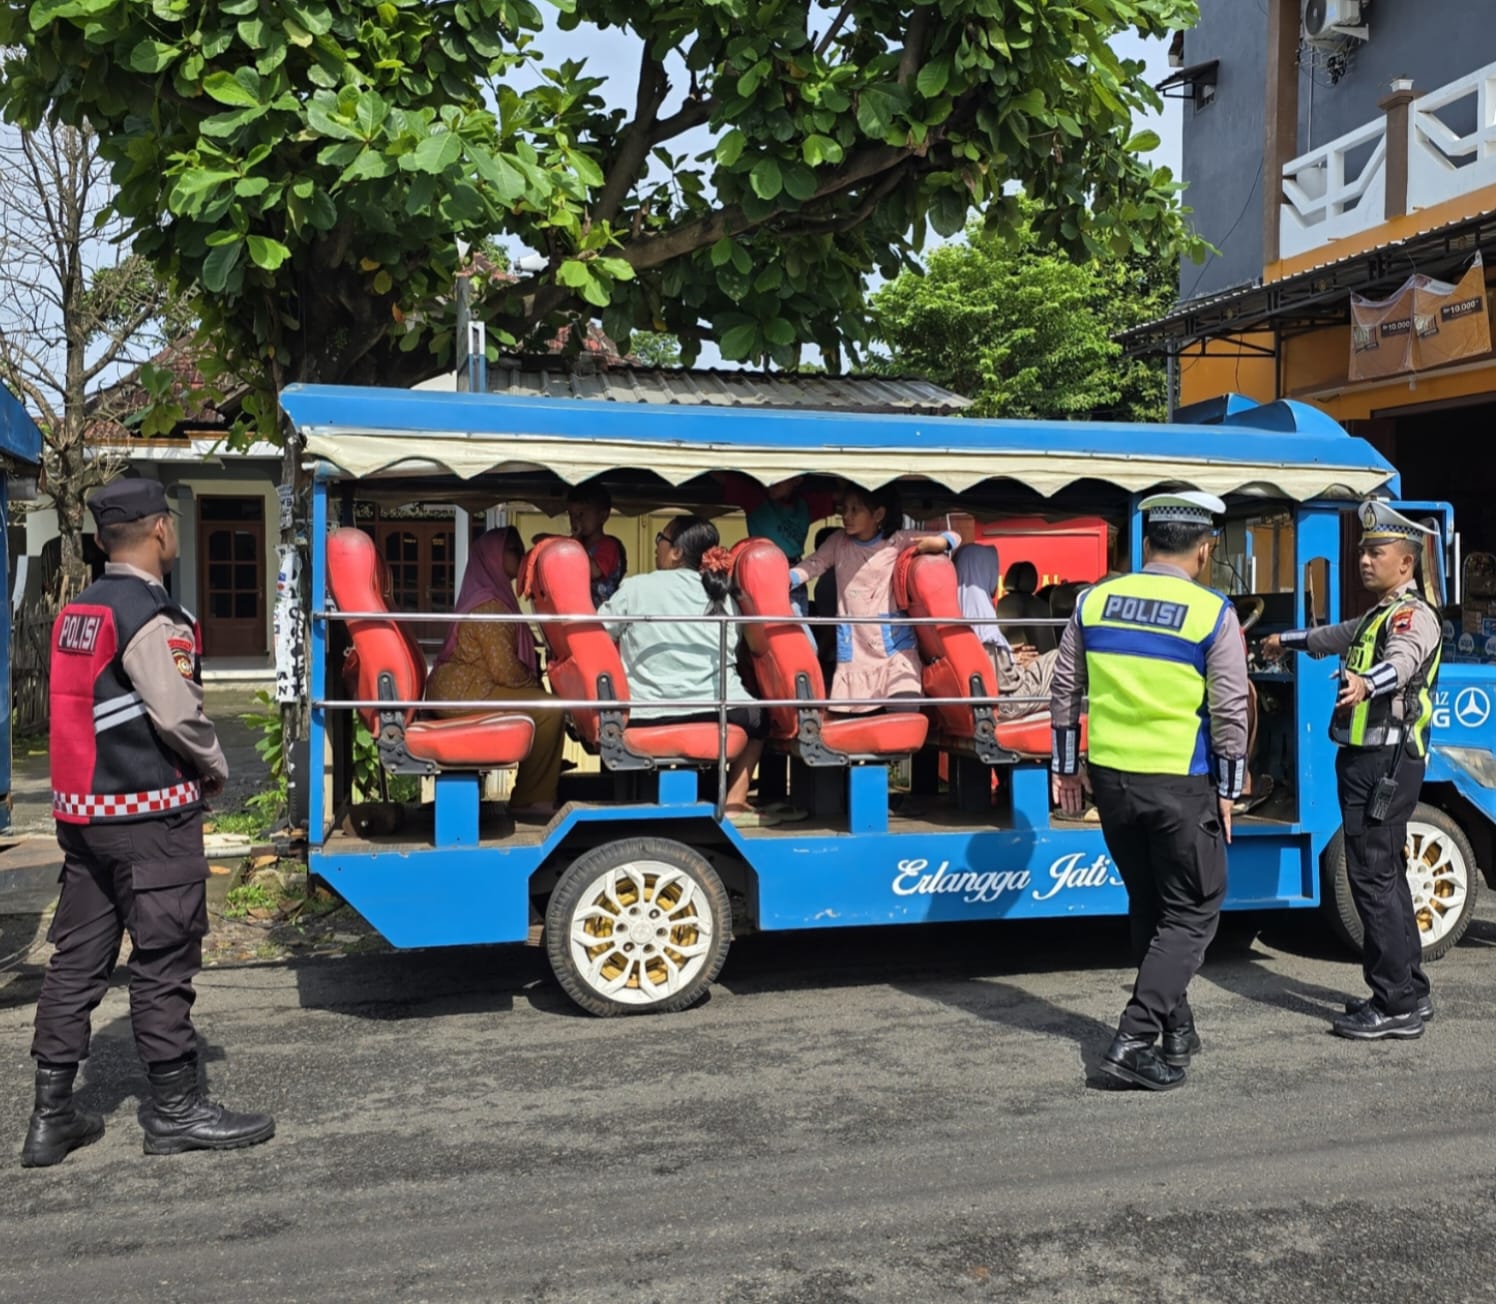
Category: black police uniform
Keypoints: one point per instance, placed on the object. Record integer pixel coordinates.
(130, 752)
(1383, 742)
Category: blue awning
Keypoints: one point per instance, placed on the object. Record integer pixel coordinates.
(1283, 449)
(19, 436)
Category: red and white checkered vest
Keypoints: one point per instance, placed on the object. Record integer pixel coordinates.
(108, 762)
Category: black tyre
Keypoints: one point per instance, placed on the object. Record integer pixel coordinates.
(639, 926)
(1442, 877)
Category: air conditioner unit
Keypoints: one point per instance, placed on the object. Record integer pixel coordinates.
(1332, 22)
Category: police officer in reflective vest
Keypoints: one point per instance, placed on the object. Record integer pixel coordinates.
(1381, 722)
(133, 757)
(1163, 661)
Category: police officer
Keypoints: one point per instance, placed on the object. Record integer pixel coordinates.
(1381, 722)
(133, 756)
(1162, 658)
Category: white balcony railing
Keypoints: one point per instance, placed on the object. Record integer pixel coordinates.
(1340, 188)
(1441, 164)
(1334, 191)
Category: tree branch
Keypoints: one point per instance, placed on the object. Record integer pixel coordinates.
(119, 337)
(824, 43)
(875, 196)
(635, 144)
(916, 41)
(731, 220)
(693, 113)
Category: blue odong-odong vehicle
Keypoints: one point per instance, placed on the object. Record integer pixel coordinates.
(639, 884)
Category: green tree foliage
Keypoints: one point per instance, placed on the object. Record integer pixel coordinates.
(1024, 331)
(651, 350)
(311, 165)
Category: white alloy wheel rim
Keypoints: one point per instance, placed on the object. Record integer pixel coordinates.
(641, 932)
(1438, 878)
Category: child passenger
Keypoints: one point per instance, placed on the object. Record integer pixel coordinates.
(668, 661)
(588, 507)
(873, 660)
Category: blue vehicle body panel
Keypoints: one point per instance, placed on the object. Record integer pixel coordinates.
(1038, 866)
(1464, 730)
(20, 439)
(470, 896)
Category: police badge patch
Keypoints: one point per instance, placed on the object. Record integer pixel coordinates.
(181, 655)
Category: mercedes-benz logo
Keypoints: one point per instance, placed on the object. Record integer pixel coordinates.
(1472, 708)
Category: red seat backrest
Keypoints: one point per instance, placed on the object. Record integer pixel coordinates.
(782, 655)
(557, 578)
(356, 578)
(924, 585)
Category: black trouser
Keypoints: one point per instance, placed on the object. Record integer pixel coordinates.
(1164, 835)
(147, 878)
(1376, 864)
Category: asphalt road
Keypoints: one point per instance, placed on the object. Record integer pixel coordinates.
(863, 1117)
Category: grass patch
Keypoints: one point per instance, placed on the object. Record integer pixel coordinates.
(29, 744)
(239, 823)
(245, 898)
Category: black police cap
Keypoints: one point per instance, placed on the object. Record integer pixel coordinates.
(122, 501)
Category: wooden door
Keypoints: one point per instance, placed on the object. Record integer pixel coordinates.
(421, 557)
(231, 576)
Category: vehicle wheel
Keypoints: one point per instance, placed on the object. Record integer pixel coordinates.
(639, 926)
(1442, 877)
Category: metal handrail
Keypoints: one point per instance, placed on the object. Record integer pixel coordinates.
(497, 706)
(720, 704)
(716, 618)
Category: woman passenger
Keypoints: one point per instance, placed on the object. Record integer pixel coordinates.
(667, 661)
(489, 661)
(872, 660)
(1025, 672)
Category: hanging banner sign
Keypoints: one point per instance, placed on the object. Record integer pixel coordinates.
(1426, 324)
(289, 629)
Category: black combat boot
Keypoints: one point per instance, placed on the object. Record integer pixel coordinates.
(1179, 1044)
(179, 1117)
(58, 1126)
(1134, 1061)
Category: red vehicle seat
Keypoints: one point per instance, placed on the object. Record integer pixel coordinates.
(786, 666)
(956, 664)
(386, 663)
(1030, 736)
(584, 666)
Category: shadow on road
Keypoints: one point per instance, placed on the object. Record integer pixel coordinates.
(829, 958)
(1481, 935)
(1022, 1011)
(113, 1074)
(418, 984)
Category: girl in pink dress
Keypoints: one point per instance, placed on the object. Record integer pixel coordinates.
(871, 660)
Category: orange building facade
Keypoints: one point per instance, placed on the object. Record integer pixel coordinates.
(1407, 187)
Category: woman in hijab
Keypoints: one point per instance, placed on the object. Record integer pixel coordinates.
(489, 661)
(1021, 673)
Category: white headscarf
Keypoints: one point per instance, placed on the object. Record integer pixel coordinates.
(976, 581)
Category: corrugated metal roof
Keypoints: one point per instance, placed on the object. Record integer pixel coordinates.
(721, 387)
(1255, 304)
